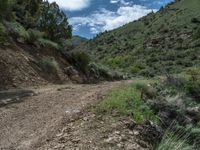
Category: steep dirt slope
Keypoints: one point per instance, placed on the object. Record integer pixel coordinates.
(16, 69)
(22, 66)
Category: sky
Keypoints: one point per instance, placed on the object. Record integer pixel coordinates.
(90, 17)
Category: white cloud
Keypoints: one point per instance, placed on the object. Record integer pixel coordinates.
(122, 2)
(114, 1)
(72, 5)
(104, 19)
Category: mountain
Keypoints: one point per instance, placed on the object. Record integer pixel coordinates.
(165, 41)
(77, 40)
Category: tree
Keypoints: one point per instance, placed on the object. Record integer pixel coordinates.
(28, 12)
(5, 5)
(54, 22)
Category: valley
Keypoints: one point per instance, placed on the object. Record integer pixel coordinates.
(135, 87)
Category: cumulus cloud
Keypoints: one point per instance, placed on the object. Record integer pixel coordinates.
(72, 5)
(122, 2)
(105, 19)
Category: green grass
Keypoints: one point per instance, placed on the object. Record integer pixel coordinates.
(127, 102)
(173, 142)
(177, 139)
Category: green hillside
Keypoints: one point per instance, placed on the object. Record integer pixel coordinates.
(166, 41)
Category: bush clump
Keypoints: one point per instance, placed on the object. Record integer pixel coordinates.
(49, 65)
(47, 43)
(17, 31)
(197, 33)
(172, 141)
(3, 35)
(193, 89)
(101, 72)
(82, 60)
(34, 35)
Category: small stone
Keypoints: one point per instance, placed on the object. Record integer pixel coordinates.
(76, 140)
(85, 119)
(131, 146)
(17, 98)
(67, 112)
(130, 133)
(136, 133)
(119, 145)
(59, 146)
(109, 140)
(117, 132)
(76, 111)
(60, 134)
(102, 122)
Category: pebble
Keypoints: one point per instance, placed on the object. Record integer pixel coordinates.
(136, 133)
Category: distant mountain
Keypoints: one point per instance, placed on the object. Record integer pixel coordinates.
(77, 40)
(166, 41)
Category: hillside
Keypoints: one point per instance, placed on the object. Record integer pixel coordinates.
(30, 45)
(35, 39)
(165, 41)
(77, 40)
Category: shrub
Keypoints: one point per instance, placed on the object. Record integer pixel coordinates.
(174, 142)
(82, 60)
(195, 20)
(3, 35)
(17, 31)
(193, 89)
(134, 69)
(34, 35)
(195, 132)
(193, 85)
(47, 43)
(197, 33)
(66, 45)
(115, 62)
(188, 83)
(148, 72)
(5, 6)
(175, 139)
(101, 72)
(49, 65)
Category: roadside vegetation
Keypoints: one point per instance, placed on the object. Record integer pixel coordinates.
(176, 141)
(127, 101)
(170, 102)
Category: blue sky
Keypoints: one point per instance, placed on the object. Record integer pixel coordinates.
(90, 17)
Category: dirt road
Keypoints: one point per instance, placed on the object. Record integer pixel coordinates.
(28, 124)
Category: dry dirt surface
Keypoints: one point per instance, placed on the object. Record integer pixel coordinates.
(32, 122)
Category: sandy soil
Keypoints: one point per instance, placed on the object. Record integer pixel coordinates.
(31, 123)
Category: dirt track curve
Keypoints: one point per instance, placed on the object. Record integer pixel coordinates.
(27, 124)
